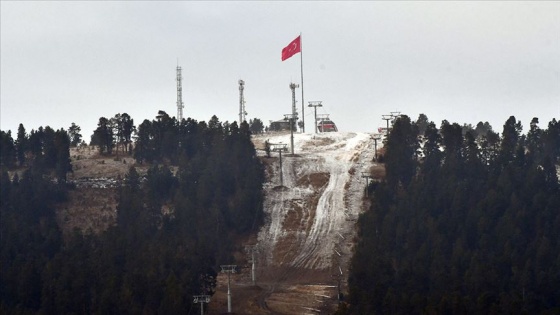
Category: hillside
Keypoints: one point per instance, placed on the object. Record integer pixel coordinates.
(448, 209)
(92, 206)
(305, 245)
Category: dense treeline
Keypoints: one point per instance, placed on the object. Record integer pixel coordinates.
(29, 238)
(172, 230)
(112, 132)
(218, 165)
(45, 149)
(465, 223)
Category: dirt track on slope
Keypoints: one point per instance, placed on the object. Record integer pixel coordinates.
(304, 248)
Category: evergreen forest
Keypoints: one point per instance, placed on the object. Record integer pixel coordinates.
(467, 221)
(150, 261)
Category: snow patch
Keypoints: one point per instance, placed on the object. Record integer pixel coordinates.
(344, 156)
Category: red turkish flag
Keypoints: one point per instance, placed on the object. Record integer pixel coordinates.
(293, 48)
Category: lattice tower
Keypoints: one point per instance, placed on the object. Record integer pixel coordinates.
(180, 105)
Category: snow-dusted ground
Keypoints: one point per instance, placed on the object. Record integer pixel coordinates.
(326, 229)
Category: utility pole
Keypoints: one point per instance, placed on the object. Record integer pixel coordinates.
(367, 177)
(242, 111)
(201, 299)
(315, 104)
(375, 138)
(179, 95)
(229, 269)
(279, 147)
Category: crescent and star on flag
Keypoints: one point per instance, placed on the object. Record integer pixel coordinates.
(293, 48)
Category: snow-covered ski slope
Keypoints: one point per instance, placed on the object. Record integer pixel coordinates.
(311, 220)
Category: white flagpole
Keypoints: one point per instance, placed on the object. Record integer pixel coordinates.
(301, 65)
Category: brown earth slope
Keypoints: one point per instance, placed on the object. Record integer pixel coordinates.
(92, 206)
(303, 250)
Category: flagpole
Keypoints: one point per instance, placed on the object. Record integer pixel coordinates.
(301, 65)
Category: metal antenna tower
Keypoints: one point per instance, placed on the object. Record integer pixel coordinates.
(201, 299)
(242, 111)
(179, 95)
(292, 118)
(229, 269)
(293, 87)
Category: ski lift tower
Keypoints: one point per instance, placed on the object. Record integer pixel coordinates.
(201, 299)
(253, 250)
(229, 269)
(280, 147)
(387, 118)
(367, 177)
(292, 119)
(242, 111)
(315, 104)
(375, 138)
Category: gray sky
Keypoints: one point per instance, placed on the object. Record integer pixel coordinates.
(64, 62)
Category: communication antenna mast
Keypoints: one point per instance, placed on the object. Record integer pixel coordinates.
(179, 95)
(242, 111)
(293, 87)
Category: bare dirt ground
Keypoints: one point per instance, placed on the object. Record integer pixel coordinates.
(92, 206)
(304, 248)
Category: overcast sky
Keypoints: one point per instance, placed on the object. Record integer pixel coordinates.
(64, 62)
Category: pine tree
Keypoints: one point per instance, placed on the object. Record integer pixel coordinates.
(103, 136)
(7, 149)
(63, 162)
(21, 145)
(74, 134)
(400, 159)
